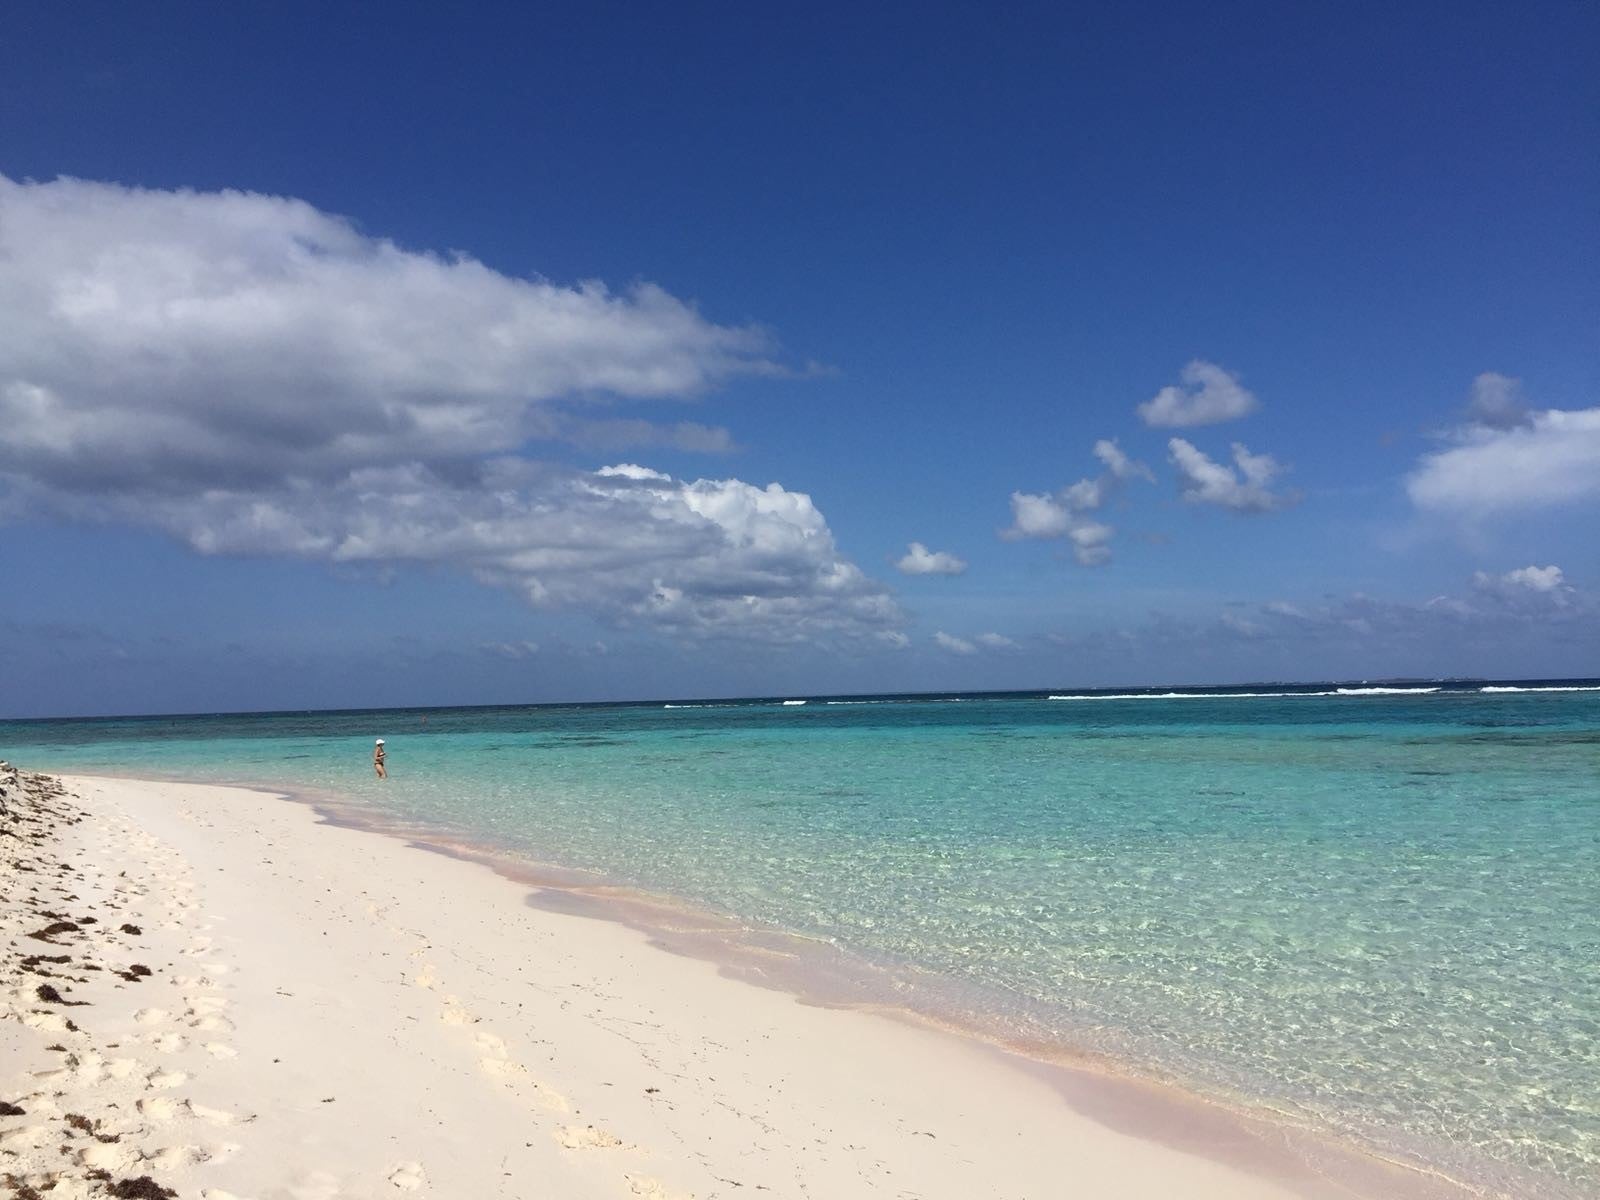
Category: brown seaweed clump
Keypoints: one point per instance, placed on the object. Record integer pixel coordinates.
(55, 927)
(142, 1188)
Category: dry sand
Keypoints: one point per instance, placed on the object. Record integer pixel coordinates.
(330, 1012)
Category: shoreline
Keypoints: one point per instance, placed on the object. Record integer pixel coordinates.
(1267, 1152)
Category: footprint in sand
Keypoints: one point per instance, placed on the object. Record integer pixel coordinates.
(169, 1043)
(158, 1081)
(215, 1116)
(171, 1157)
(651, 1189)
(408, 1177)
(221, 1050)
(315, 1185)
(585, 1137)
(108, 1156)
(159, 1108)
(151, 1016)
(29, 1136)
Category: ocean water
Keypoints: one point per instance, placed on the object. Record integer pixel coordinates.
(1374, 912)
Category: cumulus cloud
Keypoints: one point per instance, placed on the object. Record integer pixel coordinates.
(1244, 488)
(1065, 513)
(1118, 463)
(995, 641)
(256, 377)
(1207, 396)
(1546, 460)
(167, 338)
(1525, 583)
(1535, 579)
(955, 645)
(513, 650)
(1058, 516)
(919, 560)
(1496, 402)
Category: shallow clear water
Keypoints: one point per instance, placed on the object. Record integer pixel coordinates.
(1375, 913)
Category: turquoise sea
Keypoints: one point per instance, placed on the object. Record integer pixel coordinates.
(1374, 912)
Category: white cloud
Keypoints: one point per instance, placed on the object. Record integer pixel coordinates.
(1240, 625)
(919, 560)
(995, 641)
(1203, 480)
(1064, 514)
(1118, 463)
(511, 650)
(1208, 396)
(1551, 459)
(1524, 583)
(151, 337)
(1091, 542)
(1537, 579)
(1037, 516)
(257, 377)
(1496, 402)
(954, 644)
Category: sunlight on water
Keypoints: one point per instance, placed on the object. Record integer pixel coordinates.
(1372, 909)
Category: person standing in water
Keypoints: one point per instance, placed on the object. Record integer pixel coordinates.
(377, 760)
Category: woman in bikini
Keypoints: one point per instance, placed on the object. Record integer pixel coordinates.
(377, 760)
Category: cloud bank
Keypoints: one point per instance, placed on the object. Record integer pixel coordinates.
(254, 376)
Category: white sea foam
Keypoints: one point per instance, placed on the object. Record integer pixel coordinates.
(1567, 688)
(787, 703)
(1386, 691)
(1191, 695)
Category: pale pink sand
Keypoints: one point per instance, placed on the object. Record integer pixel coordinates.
(336, 1013)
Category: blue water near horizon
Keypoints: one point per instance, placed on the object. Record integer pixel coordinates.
(1370, 908)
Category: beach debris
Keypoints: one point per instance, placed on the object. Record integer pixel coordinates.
(142, 1188)
(54, 928)
(33, 809)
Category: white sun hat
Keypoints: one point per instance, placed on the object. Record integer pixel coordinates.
(380, 741)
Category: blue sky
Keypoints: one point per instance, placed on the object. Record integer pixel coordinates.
(337, 439)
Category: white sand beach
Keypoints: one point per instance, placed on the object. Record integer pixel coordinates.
(241, 1000)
